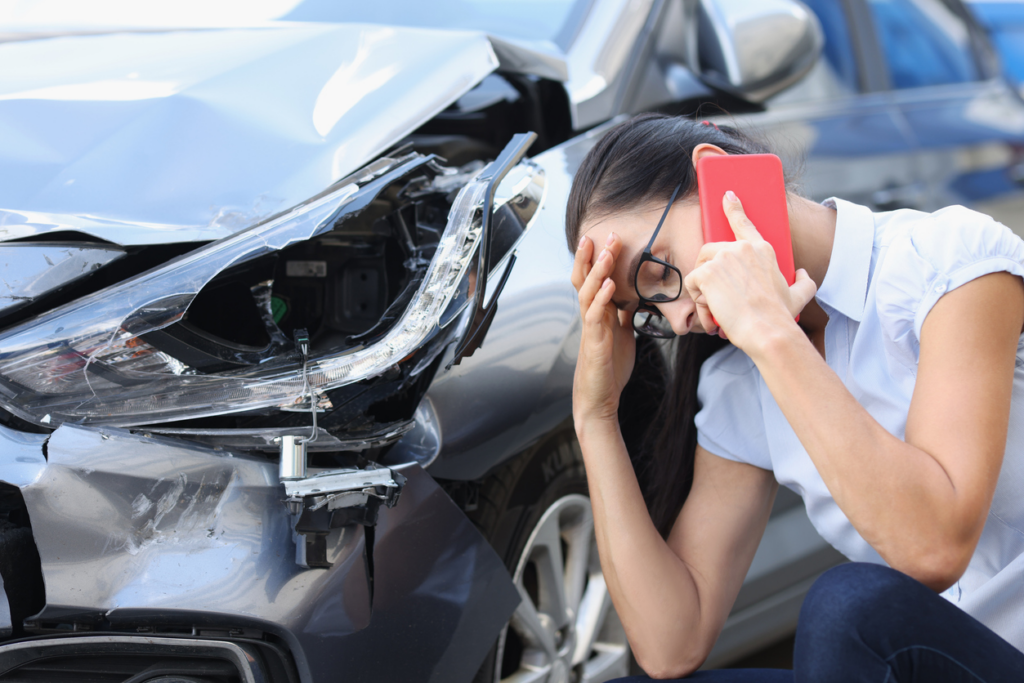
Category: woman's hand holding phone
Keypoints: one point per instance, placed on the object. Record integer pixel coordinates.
(607, 345)
(741, 283)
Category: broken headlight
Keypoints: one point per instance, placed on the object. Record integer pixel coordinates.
(107, 358)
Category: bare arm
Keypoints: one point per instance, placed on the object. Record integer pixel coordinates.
(921, 503)
(672, 597)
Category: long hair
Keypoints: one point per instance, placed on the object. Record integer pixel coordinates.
(636, 163)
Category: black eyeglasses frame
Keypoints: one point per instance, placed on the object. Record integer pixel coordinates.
(650, 305)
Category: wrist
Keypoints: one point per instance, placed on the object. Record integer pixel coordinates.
(774, 341)
(595, 427)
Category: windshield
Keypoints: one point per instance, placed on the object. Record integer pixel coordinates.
(540, 20)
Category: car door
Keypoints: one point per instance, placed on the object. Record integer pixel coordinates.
(966, 122)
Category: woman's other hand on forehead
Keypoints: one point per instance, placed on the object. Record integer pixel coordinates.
(588, 254)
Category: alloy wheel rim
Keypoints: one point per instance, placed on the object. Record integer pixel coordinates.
(565, 624)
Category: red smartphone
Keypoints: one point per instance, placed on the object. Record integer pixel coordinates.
(758, 182)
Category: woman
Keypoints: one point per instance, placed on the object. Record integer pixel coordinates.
(888, 408)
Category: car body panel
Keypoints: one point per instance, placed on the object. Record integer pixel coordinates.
(136, 145)
(135, 530)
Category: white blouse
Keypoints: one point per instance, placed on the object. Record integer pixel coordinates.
(886, 272)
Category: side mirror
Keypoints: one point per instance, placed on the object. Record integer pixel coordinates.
(756, 48)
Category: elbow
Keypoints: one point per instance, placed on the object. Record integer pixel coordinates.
(669, 665)
(663, 671)
(940, 568)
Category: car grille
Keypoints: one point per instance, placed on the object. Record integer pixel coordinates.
(137, 659)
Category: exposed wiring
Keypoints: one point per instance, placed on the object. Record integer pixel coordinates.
(302, 344)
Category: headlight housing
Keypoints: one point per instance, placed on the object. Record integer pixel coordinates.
(89, 361)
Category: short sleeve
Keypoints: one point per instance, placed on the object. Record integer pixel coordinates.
(730, 423)
(936, 254)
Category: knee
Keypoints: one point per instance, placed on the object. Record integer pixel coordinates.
(852, 598)
(848, 618)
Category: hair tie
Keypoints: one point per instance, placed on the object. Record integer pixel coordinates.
(708, 123)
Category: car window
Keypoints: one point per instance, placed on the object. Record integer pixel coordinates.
(838, 50)
(924, 41)
(835, 74)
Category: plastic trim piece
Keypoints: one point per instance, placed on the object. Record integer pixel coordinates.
(19, 654)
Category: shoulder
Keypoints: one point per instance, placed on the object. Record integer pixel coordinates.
(925, 255)
(946, 239)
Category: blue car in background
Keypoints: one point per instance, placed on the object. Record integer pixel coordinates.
(936, 68)
(1004, 21)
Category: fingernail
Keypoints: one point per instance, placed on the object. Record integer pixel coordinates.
(607, 283)
(583, 240)
(611, 238)
(731, 196)
(603, 256)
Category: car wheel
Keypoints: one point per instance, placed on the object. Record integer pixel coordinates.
(536, 513)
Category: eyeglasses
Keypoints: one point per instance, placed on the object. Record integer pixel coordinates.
(656, 282)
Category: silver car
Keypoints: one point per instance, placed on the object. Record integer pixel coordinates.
(287, 337)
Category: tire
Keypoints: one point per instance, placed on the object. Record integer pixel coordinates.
(536, 514)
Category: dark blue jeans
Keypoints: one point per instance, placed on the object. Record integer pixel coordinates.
(865, 623)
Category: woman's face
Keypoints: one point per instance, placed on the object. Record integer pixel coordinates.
(678, 243)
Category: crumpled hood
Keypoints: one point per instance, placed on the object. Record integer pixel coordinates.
(186, 135)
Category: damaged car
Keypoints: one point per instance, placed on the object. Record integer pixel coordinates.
(287, 337)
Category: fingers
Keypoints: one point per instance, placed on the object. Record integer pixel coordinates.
(709, 251)
(599, 323)
(603, 296)
(801, 292)
(692, 283)
(581, 262)
(603, 266)
(741, 225)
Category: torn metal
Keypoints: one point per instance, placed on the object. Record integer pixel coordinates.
(332, 500)
(136, 532)
(339, 489)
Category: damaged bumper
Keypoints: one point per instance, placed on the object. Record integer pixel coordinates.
(148, 534)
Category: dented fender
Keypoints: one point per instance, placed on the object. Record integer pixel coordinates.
(139, 531)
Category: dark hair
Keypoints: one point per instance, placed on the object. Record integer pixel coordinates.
(638, 162)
